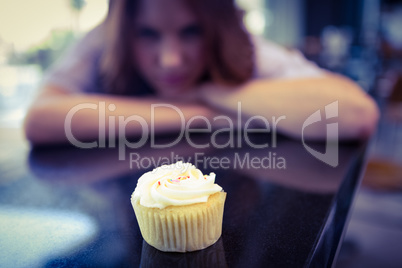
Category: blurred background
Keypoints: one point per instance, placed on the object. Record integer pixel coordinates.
(33, 35)
(361, 39)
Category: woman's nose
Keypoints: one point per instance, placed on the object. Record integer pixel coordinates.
(170, 55)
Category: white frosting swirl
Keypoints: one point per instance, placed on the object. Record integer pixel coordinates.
(177, 184)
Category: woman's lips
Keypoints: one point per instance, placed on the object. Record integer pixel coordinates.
(173, 79)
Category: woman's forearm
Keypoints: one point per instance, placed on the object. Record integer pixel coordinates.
(294, 100)
(87, 116)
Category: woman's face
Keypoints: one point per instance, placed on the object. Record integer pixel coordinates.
(168, 46)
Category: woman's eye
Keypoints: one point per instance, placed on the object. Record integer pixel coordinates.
(148, 34)
(191, 32)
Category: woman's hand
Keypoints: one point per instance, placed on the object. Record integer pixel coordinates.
(217, 96)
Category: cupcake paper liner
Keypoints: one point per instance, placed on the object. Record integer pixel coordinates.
(182, 228)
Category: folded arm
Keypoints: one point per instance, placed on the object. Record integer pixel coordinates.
(297, 99)
(46, 119)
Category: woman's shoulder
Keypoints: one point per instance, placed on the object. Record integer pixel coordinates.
(93, 40)
(76, 70)
(276, 61)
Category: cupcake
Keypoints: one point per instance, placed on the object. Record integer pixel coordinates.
(178, 208)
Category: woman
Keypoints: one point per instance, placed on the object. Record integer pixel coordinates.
(196, 56)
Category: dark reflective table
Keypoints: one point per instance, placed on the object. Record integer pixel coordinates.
(69, 207)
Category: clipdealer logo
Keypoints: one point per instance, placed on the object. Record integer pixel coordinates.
(147, 131)
(331, 155)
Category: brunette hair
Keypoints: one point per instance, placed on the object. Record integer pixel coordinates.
(229, 50)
